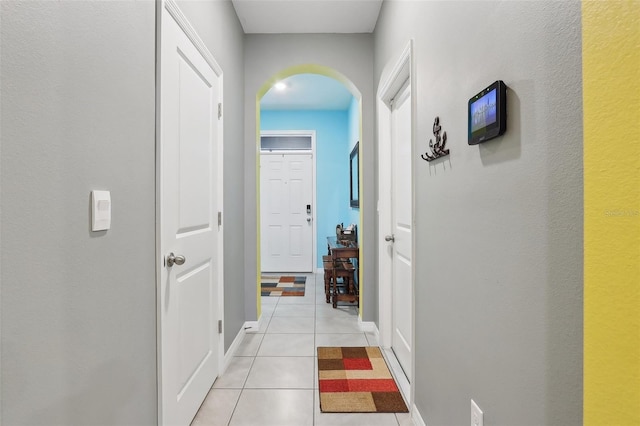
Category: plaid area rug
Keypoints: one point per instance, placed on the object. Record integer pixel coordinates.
(357, 380)
(282, 285)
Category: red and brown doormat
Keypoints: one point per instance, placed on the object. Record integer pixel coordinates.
(357, 380)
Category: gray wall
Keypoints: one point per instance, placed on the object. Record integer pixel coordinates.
(78, 113)
(78, 308)
(350, 55)
(218, 26)
(499, 226)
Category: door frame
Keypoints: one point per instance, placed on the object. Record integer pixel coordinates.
(401, 70)
(182, 21)
(311, 133)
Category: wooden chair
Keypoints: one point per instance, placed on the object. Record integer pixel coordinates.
(344, 277)
(327, 264)
(344, 269)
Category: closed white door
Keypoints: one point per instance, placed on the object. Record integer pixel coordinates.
(188, 305)
(286, 206)
(402, 228)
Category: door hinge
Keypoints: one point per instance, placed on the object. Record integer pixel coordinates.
(219, 218)
(220, 326)
(219, 110)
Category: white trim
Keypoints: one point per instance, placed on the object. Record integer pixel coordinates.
(220, 203)
(398, 374)
(312, 133)
(392, 82)
(392, 363)
(369, 327)
(401, 71)
(384, 222)
(1, 370)
(181, 20)
(416, 417)
(158, 248)
(228, 357)
(287, 152)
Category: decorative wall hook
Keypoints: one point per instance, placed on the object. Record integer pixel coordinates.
(437, 148)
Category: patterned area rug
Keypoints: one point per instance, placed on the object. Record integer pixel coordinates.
(282, 285)
(357, 380)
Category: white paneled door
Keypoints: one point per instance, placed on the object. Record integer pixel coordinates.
(189, 232)
(402, 228)
(286, 197)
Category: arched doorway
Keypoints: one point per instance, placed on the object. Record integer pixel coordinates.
(355, 136)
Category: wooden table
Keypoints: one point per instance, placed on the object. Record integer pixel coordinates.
(344, 257)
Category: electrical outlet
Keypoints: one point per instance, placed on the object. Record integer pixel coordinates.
(476, 415)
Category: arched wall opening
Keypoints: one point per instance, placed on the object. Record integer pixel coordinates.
(262, 91)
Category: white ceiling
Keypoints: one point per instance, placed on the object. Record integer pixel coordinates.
(308, 91)
(307, 16)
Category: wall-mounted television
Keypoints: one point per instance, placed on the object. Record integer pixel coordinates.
(488, 113)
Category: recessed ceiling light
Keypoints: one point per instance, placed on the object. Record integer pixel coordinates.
(280, 85)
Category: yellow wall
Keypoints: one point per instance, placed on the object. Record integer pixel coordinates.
(611, 76)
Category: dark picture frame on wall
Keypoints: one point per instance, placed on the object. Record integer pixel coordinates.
(354, 176)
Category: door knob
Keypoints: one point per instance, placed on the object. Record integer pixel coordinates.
(391, 238)
(178, 260)
(308, 219)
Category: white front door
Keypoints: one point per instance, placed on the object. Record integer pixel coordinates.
(401, 228)
(188, 147)
(286, 203)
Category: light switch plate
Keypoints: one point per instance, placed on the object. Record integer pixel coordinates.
(100, 210)
(476, 415)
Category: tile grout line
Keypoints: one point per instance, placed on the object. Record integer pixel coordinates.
(315, 350)
(244, 383)
(235, 406)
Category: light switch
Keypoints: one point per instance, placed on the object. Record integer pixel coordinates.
(100, 210)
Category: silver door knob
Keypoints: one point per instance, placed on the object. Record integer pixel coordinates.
(178, 260)
(391, 238)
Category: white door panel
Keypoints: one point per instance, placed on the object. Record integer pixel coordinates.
(195, 328)
(194, 157)
(401, 341)
(286, 188)
(188, 308)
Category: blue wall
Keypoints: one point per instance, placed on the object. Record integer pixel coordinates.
(332, 164)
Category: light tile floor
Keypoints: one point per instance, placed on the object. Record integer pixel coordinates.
(272, 379)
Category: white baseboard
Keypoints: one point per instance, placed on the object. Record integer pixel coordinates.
(396, 370)
(248, 327)
(416, 417)
(228, 356)
(369, 327)
(252, 326)
(397, 373)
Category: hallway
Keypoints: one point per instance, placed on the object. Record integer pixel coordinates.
(272, 380)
